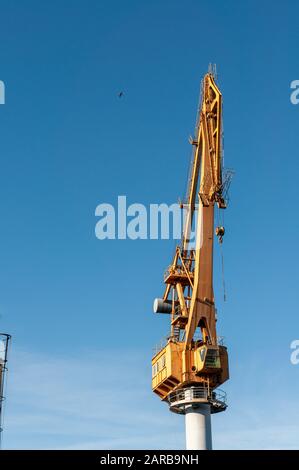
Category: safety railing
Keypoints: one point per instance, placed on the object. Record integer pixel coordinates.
(196, 393)
(158, 347)
(221, 340)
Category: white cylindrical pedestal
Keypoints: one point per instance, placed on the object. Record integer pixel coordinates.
(198, 427)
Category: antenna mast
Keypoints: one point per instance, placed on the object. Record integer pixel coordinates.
(4, 344)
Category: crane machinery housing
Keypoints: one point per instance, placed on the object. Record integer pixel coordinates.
(193, 363)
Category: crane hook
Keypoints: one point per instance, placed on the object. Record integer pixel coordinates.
(220, 231)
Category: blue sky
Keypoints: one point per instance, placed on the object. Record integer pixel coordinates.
(80, 309)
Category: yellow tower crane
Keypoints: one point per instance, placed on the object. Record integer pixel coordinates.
(193, 363)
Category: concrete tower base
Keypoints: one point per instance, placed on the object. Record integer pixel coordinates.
(198, 427)
(197, 404)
